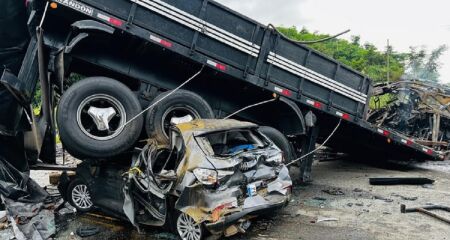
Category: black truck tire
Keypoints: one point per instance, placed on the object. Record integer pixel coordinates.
(182, 103)
(280, 141)
(82, 135)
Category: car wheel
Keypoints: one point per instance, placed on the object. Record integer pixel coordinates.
(79, 196)
(181, 106)
(91, 115)
(188, 229)
(280, 141)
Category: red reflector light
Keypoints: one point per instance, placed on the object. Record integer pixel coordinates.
(163, 42)
(314, 104)
(166, 43)
(113, 21)
(116, 22)
(407, 142)
(428, 151)
(317, 105)
(344, 116)
(286, 92)
(221, 67)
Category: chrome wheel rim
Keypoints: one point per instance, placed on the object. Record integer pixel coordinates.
(180, 114)
(81, 197)
(101, 117)
(188, 229)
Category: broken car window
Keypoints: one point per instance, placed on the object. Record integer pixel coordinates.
(232, 142)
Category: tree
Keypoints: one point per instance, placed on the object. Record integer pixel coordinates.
(365, 58)
(422, 65)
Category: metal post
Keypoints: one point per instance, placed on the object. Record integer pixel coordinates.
(436, 127)
(308, 146)
(388, 61)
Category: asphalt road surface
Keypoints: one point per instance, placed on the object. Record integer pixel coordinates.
(339, 204)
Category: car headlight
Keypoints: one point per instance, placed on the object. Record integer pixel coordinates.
(210, 177)
(276, 158)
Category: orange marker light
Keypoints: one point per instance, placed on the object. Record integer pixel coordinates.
(53, 5)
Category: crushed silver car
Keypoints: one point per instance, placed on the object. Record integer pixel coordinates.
(212, 179)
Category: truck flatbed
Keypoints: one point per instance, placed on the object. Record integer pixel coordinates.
(239, 48)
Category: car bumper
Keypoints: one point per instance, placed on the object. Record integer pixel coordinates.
(274, 202)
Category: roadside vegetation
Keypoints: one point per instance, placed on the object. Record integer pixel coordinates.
(363, 57)
(416, 64)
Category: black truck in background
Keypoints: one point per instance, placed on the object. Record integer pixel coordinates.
(131, 53)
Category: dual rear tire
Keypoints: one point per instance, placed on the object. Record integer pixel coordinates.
(92, 113)
(91, 116)
(181, 106)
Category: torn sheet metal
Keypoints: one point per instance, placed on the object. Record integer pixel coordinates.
(260, 166)
(147, 190)
(282, 183)
(418, 109)
(225, 170)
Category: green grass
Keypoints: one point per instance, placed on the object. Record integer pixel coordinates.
(380, 101)
(37, 112)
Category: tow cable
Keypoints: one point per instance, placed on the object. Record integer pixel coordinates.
(157, 102)
(318, 148)
(251, 106)
(304, 156)
(227, 117)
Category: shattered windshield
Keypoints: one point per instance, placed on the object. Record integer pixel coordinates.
(232, 142)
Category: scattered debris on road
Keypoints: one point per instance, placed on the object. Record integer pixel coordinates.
(325, 219)
(426, 210)
(383, 198)
(87, 231)
(400, 181)
(404, 197)
(334, 191)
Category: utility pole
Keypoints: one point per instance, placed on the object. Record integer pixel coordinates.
(388, 61)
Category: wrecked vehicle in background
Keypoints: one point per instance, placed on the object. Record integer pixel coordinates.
(418, 109)
(214, 176)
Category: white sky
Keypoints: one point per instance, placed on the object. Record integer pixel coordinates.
(404, 22)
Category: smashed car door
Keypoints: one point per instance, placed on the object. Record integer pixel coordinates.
(147, 185)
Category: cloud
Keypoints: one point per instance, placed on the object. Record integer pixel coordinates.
(286, 12)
